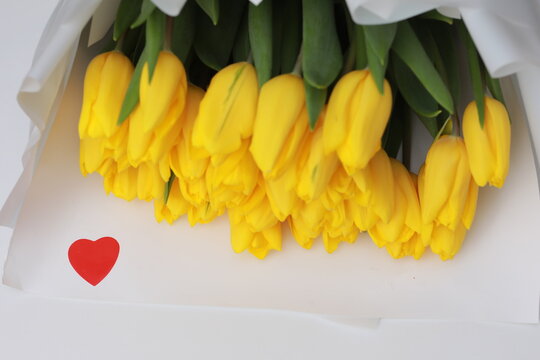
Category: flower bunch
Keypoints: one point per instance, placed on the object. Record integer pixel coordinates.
(238, 110)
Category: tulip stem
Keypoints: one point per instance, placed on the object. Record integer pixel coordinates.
(406, 143)
(350, 60)
(168, 33)
(456, 130)
(297, 70)
(120, 42)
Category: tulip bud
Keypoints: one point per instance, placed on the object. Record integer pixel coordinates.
(175, 206)
(254, 226)
(448, 196)
(356, 118)
(227, 111)
(445, 182)
(280, 125)
(375, 184)
(186, 161)
(154, 125)
(405, 221)
(488, 147)
(316, 168)
(93, 156)
(150, 185)
(232, 180)
(306, 222)
(105, 85)
(122, 184)
(446, 242)
(165, 90)
(413, 247)
(341, 187)
(281, 194)
(338, 227)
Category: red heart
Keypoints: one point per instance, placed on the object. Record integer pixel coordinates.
(93, 260)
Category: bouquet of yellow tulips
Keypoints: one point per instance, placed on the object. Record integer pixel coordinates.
(289, 114)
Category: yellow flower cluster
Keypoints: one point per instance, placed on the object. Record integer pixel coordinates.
(250, 152)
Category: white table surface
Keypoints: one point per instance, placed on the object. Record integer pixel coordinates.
(34, 327)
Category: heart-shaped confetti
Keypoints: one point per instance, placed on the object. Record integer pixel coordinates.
(93, 260)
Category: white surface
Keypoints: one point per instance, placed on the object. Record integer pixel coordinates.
(33, 327)
(40, 328)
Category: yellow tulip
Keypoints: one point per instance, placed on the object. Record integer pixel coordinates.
(280, 125)
(117, 144)
(445, 182)
(227, 111)
(105, 84)
(122, 184)
(231, 181)
(364, 218)
(152, 144)
(445, 242)
(254, 226)
(450, 183)
(93, 156)
(406, 220)
(175, 206)
(356, 119)
(338, 227)
(413, 247)
(341, 187)
(190, 163)
(166, 89)
(281, 193)
(186, 160)
(488, 147)
(316, 167)
(150, 185)
(306, 222)
(375, 184)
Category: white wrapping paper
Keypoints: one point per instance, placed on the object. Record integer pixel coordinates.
(43, 87)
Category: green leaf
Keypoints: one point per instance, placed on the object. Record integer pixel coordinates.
(131, 43)
(260, 38)
(155, 35)
(291, 38)
(183, 31)
(446, 127)
(380, 38)
(315, 99)
(147, 8)
(360, 48)
(377, 68)
(495, 88)
(213, 43)
(322, 59)
(407, 46)
(447, 59)
(435, 15)
(132, 93)
(168, 187)
(125, 16)
(211, 8)
(414, 93)
(431, 124)
(475, 71)
(494, 85)
(395, 130)
(241, 48)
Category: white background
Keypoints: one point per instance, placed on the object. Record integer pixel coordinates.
(33, 327)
